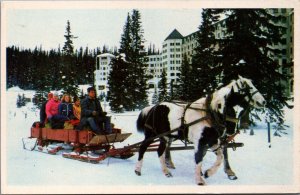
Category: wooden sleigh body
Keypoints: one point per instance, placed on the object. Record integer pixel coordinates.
(81, 142)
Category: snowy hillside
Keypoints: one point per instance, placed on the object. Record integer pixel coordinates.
(256, 164)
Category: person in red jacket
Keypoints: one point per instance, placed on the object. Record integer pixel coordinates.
(56, 120)
(43, 115)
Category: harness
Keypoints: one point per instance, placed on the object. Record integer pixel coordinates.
(217, 120)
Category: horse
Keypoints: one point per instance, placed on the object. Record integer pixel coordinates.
(202, 122)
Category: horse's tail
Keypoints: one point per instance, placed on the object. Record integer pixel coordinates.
(140, 123)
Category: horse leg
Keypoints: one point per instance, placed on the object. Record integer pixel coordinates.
(169, 161)
(142, 150)
(216, 165)
(231, 175)
(161, 151)
(199, 154)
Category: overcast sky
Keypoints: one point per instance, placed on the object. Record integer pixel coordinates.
(94, 27)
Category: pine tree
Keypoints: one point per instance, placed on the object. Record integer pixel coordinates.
(118, 93)
(253, 46)
(163, 88)
(68, 74)
(19, 101)
(131, 45)
(138, 67)
(204, 62)
(39, 97)
(126, 49)
(68, 47)
(126, 39)
(183, 91)
(155, 97)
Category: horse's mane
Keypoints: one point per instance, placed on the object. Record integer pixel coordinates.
(220, 95)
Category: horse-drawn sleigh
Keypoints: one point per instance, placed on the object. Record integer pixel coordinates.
(209, 123)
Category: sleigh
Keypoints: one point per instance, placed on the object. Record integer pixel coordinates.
(83, 143)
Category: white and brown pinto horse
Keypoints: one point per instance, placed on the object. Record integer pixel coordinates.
(203, 122)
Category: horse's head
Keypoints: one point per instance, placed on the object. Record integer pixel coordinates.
(239, 92)
(245, 87)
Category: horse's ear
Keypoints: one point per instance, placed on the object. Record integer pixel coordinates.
(234, 87)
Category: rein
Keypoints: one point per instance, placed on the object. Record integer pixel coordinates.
(218, 122)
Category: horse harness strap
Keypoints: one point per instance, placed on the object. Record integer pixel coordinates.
(148, 118)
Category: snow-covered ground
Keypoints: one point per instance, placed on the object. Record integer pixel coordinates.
(258, 167)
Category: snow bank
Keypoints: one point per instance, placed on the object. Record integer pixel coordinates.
(256, 164)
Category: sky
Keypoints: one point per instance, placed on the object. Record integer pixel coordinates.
(94, 27)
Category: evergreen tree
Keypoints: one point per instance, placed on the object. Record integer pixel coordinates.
(183, 91)
(205, 71)
(68, 47)
(254, 47)
(21, 101)
(118, 93)
(68, 74)
(137, 74)
(163, 88)
(131, 45)
(126, 40)
(104, 49)
(39, 98)
(155, 96)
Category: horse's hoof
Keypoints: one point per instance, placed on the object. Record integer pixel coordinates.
(171, 166)
(169, 175)
(232, 177)
(137, 173)
(206, 174)
(201, 184)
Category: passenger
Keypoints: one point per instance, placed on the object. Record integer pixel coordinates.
(77, 108)
(65, 108)
(56, 120)
(93, 115)
(43, 114)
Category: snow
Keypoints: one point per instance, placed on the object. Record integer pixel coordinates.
(260, 166)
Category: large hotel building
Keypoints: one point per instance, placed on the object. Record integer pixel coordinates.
(175, 46)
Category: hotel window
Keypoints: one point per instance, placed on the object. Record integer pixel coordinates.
(283, 61)
(283, 51)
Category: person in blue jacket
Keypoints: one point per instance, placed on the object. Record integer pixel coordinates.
(65, 108)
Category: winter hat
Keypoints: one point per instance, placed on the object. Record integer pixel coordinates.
(50, 95)
(55, 94)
